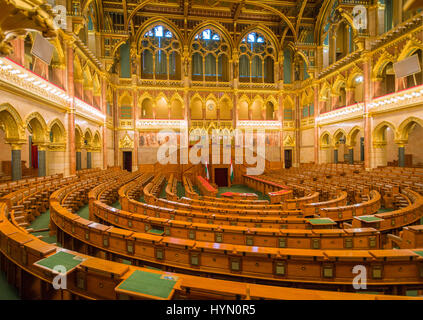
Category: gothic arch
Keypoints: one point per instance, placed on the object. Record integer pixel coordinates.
(38, 127)
(352, 135)
(378, 132)
(156, 21)
(383, 60)
(12, 122)
(213, 25)
(325, 140)
(337, 135)
(406, 127)
(61, 134)
(410, 47)
(266, 32)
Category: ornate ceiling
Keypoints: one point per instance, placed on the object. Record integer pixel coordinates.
(289, 20)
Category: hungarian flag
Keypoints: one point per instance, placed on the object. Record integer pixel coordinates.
(207, 171)
(232, 172)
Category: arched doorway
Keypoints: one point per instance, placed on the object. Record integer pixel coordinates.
(385, 152)
(355, 145)
(340, 150)
(410, 144)
(325, 148)
(11, 141)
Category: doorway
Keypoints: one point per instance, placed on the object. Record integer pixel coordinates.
(221, 177)
(127, 160)
(288, 158)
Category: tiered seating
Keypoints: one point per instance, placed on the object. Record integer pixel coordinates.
(171, 188)
(403, 216)
(240, 260)
(368, 191)
(189, 190)
(31, 199)
(11, 186)
(154, 188)
(92, 272)
(205, 187)
(199, 236)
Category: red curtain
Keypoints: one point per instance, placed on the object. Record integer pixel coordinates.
(34, 156)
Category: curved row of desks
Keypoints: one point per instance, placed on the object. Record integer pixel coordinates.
(386, 267)
(96, 278)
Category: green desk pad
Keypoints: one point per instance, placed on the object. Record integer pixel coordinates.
(370, 219)
(148, 283)
(321, 221)
(420, 253)
(156, 232)
(68, 260)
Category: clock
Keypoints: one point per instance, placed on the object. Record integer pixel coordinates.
(210, 106)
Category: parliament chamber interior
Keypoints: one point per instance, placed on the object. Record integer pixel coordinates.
(211, 149)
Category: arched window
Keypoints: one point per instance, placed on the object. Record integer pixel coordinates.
(344, 40)
(160, 54)
(270, 111)
(388, 79)
(210, 57)
(256, 61)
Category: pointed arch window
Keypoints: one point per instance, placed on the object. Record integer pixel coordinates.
(160, 54)
(210, 52)
(257, 57)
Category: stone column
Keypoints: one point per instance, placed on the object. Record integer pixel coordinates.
(282, 150)
(41, 161)
(401, 156)
(16, 162)
(187, 113)
(401, 152)
(89, 159)
(377, 87)
(316, 127)
(136, 134)
(297, 157)
(71, 113)
(361, 150)
(78, 160)
(335, 155)
(349, 96)
(351, 153)
(104, 109)
(235, 113)
(367, 122)
(115, 129)
(335, 102)
(332, 48)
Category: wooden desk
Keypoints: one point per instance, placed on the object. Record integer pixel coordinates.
(205, 187)
(240, 196)
(149, 285)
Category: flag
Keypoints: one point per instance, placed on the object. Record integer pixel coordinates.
(207, 171)
(232, 172)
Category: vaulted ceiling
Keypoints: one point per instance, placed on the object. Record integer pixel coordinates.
(289, 20)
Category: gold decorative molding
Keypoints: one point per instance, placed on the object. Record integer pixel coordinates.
(126, 142)
(289, 141)
(20, 16)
